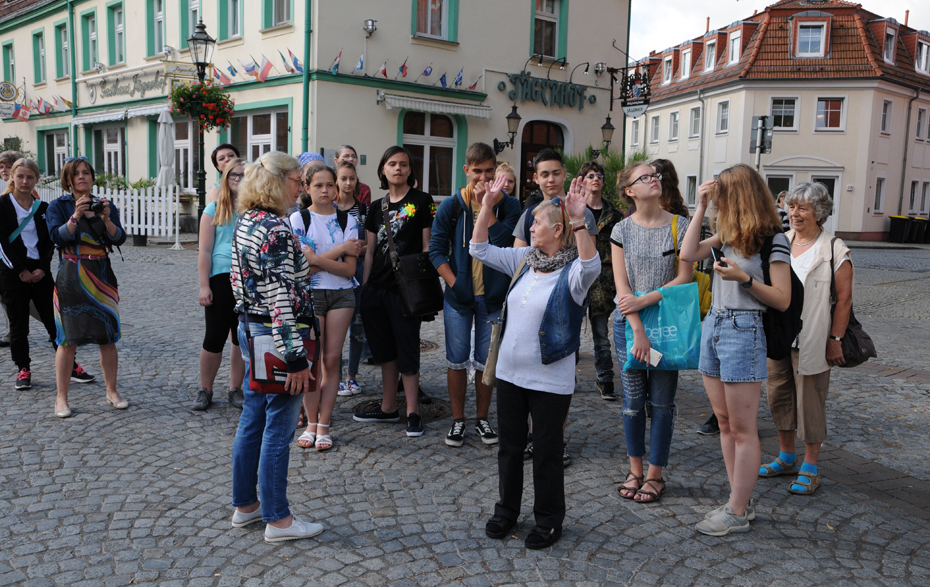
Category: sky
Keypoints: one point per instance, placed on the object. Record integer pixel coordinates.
(657, 25)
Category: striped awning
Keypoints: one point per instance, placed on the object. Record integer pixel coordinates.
(98, 117)
(421, 105)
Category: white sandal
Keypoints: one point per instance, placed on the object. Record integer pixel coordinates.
(324, 442)
(308, 437)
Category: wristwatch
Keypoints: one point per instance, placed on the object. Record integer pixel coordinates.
(748, 284)
(836, 338)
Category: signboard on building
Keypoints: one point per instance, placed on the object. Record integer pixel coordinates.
(549, 92)
(635, 93)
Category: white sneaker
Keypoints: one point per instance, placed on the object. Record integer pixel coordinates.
(343, 389)
(241, 519)
(723, 522)
(297, 530)
(750, 512)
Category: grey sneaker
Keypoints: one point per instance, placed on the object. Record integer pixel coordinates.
(203, 401)
(242, 519)
(236, 397)
(297, 530)
(723, 522)
(750, 511)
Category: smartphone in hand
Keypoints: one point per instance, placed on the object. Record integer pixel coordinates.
(718, 256)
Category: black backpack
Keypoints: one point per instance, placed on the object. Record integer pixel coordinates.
(342, 217)
(781, 328)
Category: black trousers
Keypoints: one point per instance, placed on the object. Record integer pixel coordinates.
(549, 410)
(16, 295)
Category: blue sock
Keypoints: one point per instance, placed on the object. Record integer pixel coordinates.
(805, 468)
(788, 457)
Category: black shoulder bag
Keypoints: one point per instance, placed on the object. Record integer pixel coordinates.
(857, 345)
(417, 279)
(781, 328)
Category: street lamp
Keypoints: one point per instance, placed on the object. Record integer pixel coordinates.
(607, 133)
(513, 124)
(201, 45)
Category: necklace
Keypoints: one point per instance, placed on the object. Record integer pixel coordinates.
(526, 294)
(808, 242)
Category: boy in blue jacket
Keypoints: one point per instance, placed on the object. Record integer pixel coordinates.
(474, 294)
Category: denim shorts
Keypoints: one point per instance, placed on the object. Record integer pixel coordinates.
(733, 346)
(458, 333)
(325, 300)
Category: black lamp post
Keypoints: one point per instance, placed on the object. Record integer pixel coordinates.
(513, 123)
(201, 45)
(607, 133)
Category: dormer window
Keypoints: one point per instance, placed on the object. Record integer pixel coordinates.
(811, 39)
(685, 64)
(734, 48)
(710, 55)
(889, 45)
(922, 62)
(667, 70)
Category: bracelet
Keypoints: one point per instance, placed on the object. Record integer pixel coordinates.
(577, 228)
(72, 220)
(836, 338)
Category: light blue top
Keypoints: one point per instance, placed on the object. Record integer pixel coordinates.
(222, 243)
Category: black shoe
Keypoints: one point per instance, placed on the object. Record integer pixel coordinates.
(484, 430)
(566, 460)
(376, 415)
(498, 527)
(4, 343)
(236, 397)
(710, 427)
(203, 401)
(541, 537)
(23, 379)
(607, 390)
(414, 425)
(79, 375)
(456, 435)
(528, 451)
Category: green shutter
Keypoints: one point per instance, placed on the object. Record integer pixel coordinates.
(222, 10)
(413, 24)
(267, 14)
(452, 27)
(85, 37)
(185, 22)
(37, 60)
(562, 48)
(153, 146)
(111, 31)
(150, 27)
(7, 55)
(59, 27)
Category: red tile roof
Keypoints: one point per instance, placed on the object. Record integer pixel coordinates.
(10, 8)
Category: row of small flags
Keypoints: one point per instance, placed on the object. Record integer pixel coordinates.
(258, 71)
(41, 107)
(402, 72)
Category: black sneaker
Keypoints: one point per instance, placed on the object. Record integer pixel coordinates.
(79, 375)
(236, 397)
(606, 388)
(456, 435)
(414, 425)
(203, 401)
(710, 427)
(24, 379)
(484, 430)
(528, 451)
(566, 460)
(376, 415)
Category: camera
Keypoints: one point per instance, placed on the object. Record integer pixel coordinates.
(96, 205)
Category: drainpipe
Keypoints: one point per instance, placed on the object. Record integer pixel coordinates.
(907, 140)
(74, 143)
(700, 179)
(305, 129)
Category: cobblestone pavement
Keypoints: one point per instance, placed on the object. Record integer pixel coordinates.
(142, 496)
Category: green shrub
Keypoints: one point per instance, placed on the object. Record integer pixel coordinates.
(110, 181)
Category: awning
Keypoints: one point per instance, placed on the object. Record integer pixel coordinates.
(98, 117)
(421, 105)
(150, 110)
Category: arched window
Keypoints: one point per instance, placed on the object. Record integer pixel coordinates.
(430, 138)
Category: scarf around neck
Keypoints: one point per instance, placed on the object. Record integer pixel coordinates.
(540, 262)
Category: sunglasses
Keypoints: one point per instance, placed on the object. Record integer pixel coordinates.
(597, 175)
(647, 178)
(78, 158)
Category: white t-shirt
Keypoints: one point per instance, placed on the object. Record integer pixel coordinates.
(323, 234)
(803, 263)
(29, 234)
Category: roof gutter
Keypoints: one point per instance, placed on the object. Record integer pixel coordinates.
(907, 140)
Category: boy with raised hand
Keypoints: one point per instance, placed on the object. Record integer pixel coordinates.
(474, 294)
(550, 177)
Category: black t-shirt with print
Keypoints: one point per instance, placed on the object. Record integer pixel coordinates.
(408, 219)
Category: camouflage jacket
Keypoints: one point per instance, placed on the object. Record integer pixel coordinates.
(604, 291)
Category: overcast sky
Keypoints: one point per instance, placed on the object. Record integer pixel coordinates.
(659, 24)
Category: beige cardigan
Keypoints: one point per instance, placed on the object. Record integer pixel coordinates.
(816, 316)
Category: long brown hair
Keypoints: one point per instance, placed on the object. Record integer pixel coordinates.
(670, 200)
(225, 206)
(625, 179)
(350, 166)
(746, 213)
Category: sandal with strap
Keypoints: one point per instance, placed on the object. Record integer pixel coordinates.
(302, 418)
(632, 491)
(809, 487)
(651, 495)
(324, 442)
(786, 469)
(307, 439)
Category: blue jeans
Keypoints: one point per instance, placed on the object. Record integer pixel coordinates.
(263, 443)
(358, 346)
(458, 333)
(645, 391)
(603, 358)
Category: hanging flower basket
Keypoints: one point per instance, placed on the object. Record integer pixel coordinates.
(208, 105)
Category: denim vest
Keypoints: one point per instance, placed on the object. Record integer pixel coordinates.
(560, 331)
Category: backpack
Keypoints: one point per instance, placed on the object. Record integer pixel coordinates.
(342, 218)
(781, 328)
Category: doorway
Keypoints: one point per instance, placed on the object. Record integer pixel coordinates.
(537, 135)
(830, 183)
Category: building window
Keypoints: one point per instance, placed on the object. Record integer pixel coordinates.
(183, 155)
(91, 56)
(158, 30)
(723, 117)
(634, 133)
(193, 16)
(921, 119)
(734, 47)
(56, 151)
(673, 126)
(432, 17)
(783, 112)
(691, 190)
(282, 12)
(430, 138)
(654, 130)
(922, 63)
(256, 134)
(685, 64)
(879, 204)
(811, 40)
(110, 150)
(889, 45)
(62, 52)
(9, 63)
(116, 34)
(545, 28)
(886, 116)
(913, 202)
(38, 50)
(235, 23)
(667, 70)
(925, 198)
(829, 114)
(694, 126)
(778, 184)
(710, 55)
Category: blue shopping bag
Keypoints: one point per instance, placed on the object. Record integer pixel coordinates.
(673, 327)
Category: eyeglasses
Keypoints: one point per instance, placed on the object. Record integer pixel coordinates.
(78, 158)
(236, 176)
(597, 175)
(297, 179)
(647, 178)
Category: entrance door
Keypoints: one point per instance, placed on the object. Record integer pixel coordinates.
(108, 150)
(537, 135)
(830, 182)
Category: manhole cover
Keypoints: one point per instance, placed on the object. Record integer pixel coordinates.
(436, 410)
(427, 346)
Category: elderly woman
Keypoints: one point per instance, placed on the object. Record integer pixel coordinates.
(798, 385)
(271, 282)
(545, 304)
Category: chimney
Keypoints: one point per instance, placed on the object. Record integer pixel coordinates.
(755, 12)
(907, 14)
(708, 25)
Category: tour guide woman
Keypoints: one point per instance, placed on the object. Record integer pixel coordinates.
(545, 304)
(86, 291)
(271, 281)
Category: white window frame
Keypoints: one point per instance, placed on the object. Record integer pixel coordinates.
(913, 201)
(235, 23)
(119, 35)
(92, 40)
(159, 25)
(734, 47)
(886, 117)
(893, 35)
(65, 52)
(193, 15)
(634, 133)
(60, 153)
(282, 7)
(113, 161)
(444, 33)
(667, 70)
(822, 25)
(842, 128)
(922, 59)
(797, 102)
(878, 195)
(685, 64)
(674, 122)
(925, 198)
(691, 195)
(695, 121)
(43, 74)
(654, 127)
(539, 14)
(428, 142)
(183, 155)
(710, 51)
(722, 125)
(921, 119)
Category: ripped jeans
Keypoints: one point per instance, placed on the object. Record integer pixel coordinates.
(646, 391)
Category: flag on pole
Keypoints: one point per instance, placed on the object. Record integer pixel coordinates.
(475, 85)
(383, 70)
(298, 66)
(250, 68)
(458, 78)
(361, 63)
(443, 81)
(221, 77)
(426, 72)
(335, 67)
(67, 102)
(403, 68)
(48, 108)
(264, 70)
(287, 66)
(40, 107)
(57, 103)
(232, 70)
(21, 112)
